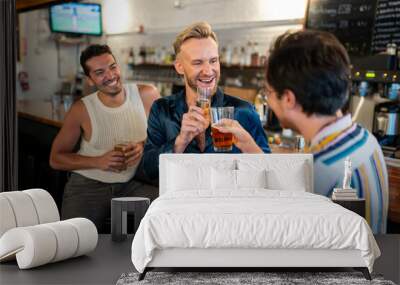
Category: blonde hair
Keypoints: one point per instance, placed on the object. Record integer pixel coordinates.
(200, 30)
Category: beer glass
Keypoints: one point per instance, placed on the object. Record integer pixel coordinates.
(222, 141)
(204, 100)
(121, 147)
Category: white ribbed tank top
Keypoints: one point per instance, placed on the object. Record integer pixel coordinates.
(110, 126)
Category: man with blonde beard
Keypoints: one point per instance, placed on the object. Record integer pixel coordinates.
(176, 124)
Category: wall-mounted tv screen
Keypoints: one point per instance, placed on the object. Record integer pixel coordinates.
(76, 18)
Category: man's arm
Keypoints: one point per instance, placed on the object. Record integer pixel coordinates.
(62, 156)
(148, 94)
(250, 120)
(193, 123)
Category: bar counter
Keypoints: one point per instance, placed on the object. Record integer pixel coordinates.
(38, 125)
(41, 111)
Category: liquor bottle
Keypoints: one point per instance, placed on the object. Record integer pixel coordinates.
(142, 54)
(255, 59)
(222, 56)
(259, 103)
(131, 59)
(228, 56)
(235, 56)
(243, 57)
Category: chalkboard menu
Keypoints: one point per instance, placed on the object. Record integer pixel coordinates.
(387, 25)
(351, 21)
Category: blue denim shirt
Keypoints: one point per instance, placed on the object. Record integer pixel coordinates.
(164, 125)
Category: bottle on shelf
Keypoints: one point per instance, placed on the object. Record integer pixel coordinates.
(248, 52)
(255, 58)
(222, 56)
(263, 60)
(149, 54)
(235, 56)
(162, 55)
(142, 54)
(228, 55)
(243, 57)
(260, 105)
(131, 58)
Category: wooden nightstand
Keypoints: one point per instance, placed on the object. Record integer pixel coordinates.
(356, 205)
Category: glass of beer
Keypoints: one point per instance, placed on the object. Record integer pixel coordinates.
(121, 147)
(222, 141)
(204, 100)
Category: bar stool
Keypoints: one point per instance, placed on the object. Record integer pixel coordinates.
(120, 207)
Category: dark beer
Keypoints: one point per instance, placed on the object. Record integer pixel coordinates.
(221, 141)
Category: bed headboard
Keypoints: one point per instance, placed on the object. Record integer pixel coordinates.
(255, 160)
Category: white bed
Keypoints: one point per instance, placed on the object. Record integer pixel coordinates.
(228, 211)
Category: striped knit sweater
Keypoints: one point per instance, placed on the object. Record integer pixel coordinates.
(331, 147)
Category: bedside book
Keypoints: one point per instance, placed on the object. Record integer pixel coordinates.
(344, 194)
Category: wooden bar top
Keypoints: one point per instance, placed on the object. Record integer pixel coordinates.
(279, 149)
(41, 111)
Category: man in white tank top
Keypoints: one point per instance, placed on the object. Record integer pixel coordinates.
(114, 115)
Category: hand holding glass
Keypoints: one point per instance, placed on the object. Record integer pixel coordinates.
(122, 147)
(222, 141)
(204, 100)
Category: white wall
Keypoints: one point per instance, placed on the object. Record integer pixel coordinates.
(163, 15)
(47, 66)
(235, 21)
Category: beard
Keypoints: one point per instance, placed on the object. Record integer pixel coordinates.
(193, 82)
(110, 90)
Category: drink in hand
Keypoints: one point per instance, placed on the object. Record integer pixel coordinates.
(205, 105)
(121, 147)
(204, 100)
(222, 141)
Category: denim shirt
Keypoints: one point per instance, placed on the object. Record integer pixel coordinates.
(164, 125)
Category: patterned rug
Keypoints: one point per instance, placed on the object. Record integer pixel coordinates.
(243, 278)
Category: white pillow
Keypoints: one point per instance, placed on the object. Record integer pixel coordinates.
(293, 180)
(223, 179)
(187, 177)
(226, 179)
(194, 174)
(251, 178)
(281, 174)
